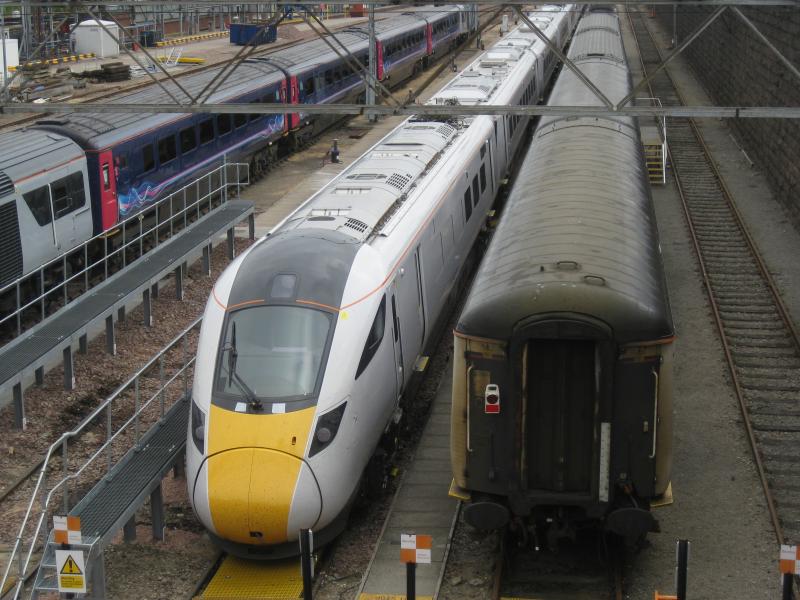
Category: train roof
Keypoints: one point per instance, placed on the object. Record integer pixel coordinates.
(371, 196)
(25, 152)
(578, 234)
(104, 129)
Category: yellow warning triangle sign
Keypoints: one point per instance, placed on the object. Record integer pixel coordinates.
(71, 567)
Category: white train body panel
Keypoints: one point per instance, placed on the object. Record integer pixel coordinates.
(349, 287)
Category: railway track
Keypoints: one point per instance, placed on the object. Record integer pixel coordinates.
(148, 81)
(586, 569)
(758, 335)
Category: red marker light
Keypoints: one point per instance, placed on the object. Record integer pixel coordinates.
(491, 399)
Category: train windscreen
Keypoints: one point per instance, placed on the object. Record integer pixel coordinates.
(272, 352)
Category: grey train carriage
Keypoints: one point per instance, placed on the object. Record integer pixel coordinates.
(561, 413)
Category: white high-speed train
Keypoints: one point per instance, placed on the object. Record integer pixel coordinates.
(310, 337)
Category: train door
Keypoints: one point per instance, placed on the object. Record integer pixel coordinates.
(500, 145)
(294, 98)
(399, 369)
(562, 388)
(109, 210)
(379, 60)
(493, 187)
(63, 213)
(429, 38)
(410, 311)
(636, 410)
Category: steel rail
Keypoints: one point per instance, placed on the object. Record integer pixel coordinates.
(766, 277)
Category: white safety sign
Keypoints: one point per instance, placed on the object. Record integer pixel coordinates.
(71, 571)
(415, 548)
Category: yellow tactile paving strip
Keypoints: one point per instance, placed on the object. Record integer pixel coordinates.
(266, 580)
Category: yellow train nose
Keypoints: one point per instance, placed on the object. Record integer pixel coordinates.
(261, 496)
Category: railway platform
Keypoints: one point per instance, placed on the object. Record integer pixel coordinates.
(421, 506)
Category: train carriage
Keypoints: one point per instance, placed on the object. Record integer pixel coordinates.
(561, 413)
(43, 198)
(310, 338)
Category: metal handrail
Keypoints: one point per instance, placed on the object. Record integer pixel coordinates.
(241, 180)
(18, 553)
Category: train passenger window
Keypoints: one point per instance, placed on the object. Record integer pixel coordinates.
(467, 205)
(224, 124)
(67, 194)
(166, 149)
(483, 178)
(206, 131)
(309, 86)
(188, 140)
(475, 194)
(76, 189)
(374, 338)
(38, 202)
(148, 158)
(239, 120)
(62, 203)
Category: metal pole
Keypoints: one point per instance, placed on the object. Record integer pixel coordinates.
(369, 81)
(787, 587)
(306, 565)
(411, 583)
(372, 63)
(3, 36)
(683, 566)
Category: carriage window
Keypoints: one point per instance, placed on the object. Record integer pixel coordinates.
(148, 159)
(374, 338)
(166, 149)
(483, 178)
(38, 201)
(77, 190)
(467, 205)
(475, 194)
(239, 120)
(206, 131)
(106, 178)
(224, 124)
(188, 140)
(62, 204)
(310, 86)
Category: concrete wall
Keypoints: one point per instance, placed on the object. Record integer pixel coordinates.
(736, 68)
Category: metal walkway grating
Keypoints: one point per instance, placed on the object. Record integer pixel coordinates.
(27, 350)
(139, 471)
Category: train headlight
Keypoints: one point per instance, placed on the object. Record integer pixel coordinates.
(327, 427)
(198, 427)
